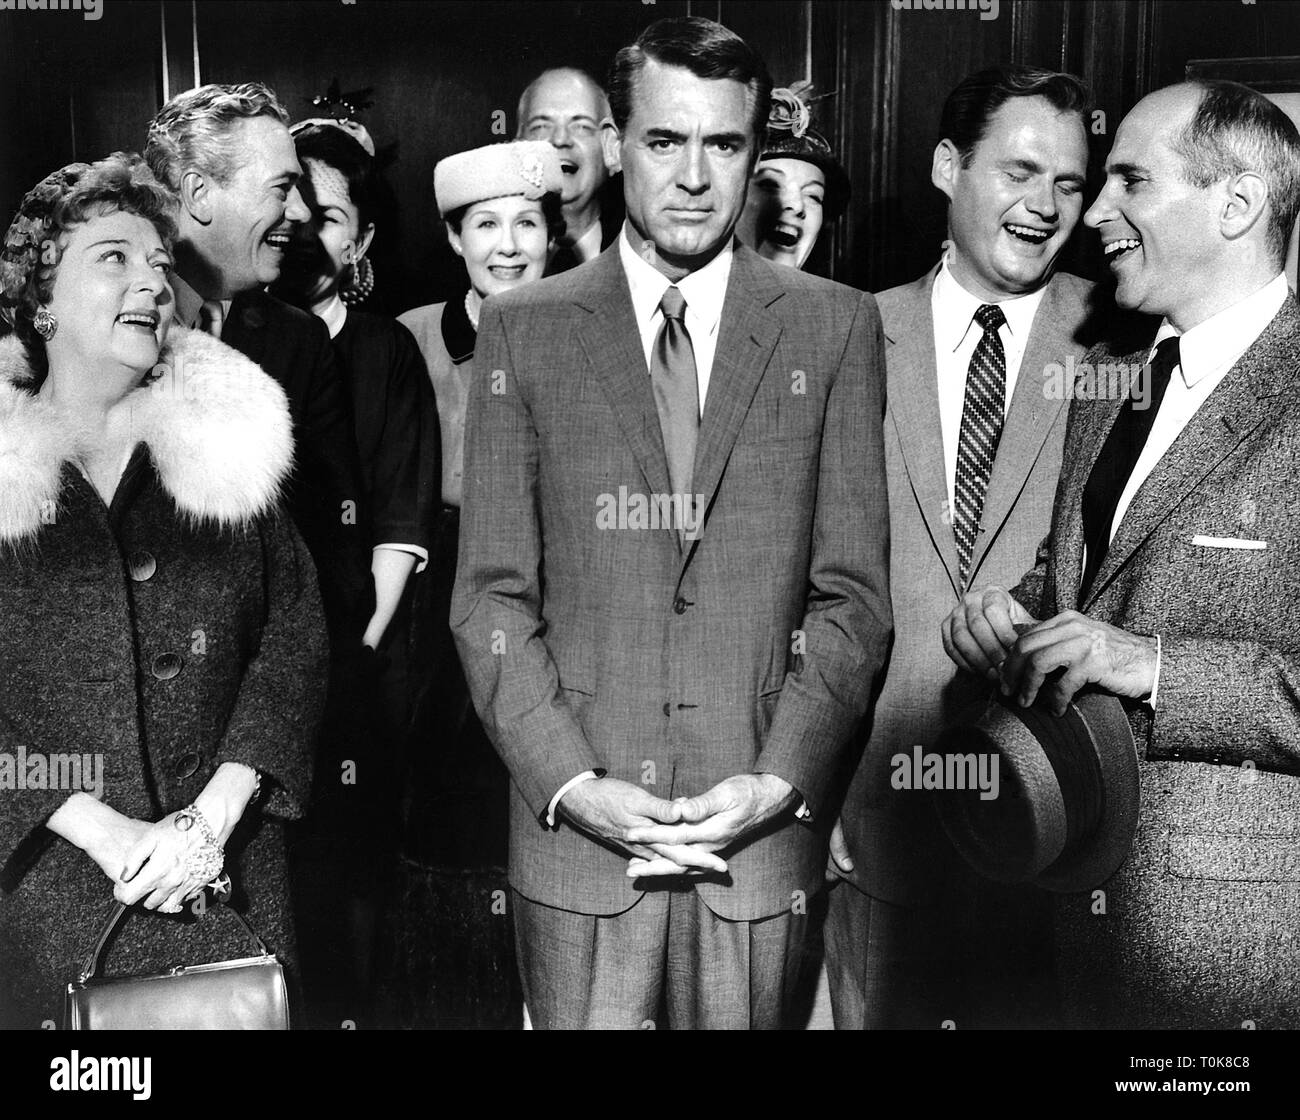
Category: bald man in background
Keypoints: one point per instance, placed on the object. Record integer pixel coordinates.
(565, 107)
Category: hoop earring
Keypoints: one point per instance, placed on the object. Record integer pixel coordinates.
(358, 289)
(45, 323)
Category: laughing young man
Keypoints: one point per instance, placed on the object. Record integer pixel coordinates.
(973, 449)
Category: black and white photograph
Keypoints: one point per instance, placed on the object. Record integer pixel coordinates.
(525, 515)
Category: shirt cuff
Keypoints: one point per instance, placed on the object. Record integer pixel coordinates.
(421, 554)
(1155, 683)
(585, 776)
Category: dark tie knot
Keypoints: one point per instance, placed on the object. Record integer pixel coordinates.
(673, 305)
(989, 316)
(1166, 357)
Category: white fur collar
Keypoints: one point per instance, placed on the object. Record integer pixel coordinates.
(217, 427)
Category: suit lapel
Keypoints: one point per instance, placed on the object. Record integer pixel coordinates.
(1096, 418)
(612, 342)
(747, 336)
(1033, 412)
(1234, 410)
(913, 395)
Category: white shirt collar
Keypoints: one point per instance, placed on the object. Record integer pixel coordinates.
(705, 289)
(954, 309)
(334, 314)
(189, 303)
(587, 247)
(1217, 343)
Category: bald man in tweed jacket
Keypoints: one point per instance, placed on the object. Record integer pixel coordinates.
(1193, 614)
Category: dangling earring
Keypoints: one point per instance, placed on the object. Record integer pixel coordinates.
(44, 323)
(358, 289)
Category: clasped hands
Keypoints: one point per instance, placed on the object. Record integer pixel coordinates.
(679, 837)
(990, 634)
(150, 863)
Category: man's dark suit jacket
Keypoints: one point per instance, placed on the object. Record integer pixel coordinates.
(294, 348)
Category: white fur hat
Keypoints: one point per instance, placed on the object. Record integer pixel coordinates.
(527, 167)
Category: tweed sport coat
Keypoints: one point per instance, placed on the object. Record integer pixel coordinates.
(174, 630)
(899, 851)
(1200, 927)
(754, 647)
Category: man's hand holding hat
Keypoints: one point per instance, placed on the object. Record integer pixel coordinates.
(989, 633)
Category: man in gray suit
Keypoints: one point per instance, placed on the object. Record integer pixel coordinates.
(671, 598)
(1171, 578)
(973, 434)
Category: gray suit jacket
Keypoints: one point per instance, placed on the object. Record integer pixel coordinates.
(752, 648)
(900, 853)
(1201, 925)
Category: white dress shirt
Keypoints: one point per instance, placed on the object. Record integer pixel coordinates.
(704, 291)
(587, 247)
(956, 334)
(1206, 353)
(189, 304)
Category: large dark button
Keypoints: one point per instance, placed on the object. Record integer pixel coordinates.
(187, 765)
(166, 666)
(142, 565)
(680, 605)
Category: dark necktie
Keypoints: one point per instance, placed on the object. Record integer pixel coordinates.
(981, 428)
(1118, 457)
(564, 258)
(677, 391)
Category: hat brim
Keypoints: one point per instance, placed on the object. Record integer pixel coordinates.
(838, 188)
(1016, 735)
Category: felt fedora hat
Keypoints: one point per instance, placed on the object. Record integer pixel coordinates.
(1066, 808)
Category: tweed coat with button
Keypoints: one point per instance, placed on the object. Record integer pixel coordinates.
(1200, 926)
(178, 628)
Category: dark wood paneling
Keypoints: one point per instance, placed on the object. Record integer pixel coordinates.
(75, 89)
(1187, 29)
(445, 71)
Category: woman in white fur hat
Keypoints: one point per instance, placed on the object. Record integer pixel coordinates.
(161, 622)
(501, 206)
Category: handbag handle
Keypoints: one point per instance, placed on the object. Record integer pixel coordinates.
(91, 965)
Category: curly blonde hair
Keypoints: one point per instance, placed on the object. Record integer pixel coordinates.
(29, 255)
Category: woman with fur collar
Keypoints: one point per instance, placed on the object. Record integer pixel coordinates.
(162, 649)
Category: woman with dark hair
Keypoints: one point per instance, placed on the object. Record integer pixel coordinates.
(798, 186)
(163, 652)
(327, 272)
(353, 825)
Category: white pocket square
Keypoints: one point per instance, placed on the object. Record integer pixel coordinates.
(1227, 542)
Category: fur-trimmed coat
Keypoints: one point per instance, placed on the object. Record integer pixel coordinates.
(178, 628)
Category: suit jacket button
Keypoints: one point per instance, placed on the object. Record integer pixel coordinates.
(679, 605)
(142, 565)
(165, 666)
(187, 765)
(667, 709)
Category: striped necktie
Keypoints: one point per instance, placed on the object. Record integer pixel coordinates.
(981, 428)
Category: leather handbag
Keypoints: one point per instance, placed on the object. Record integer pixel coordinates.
(246, 994)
